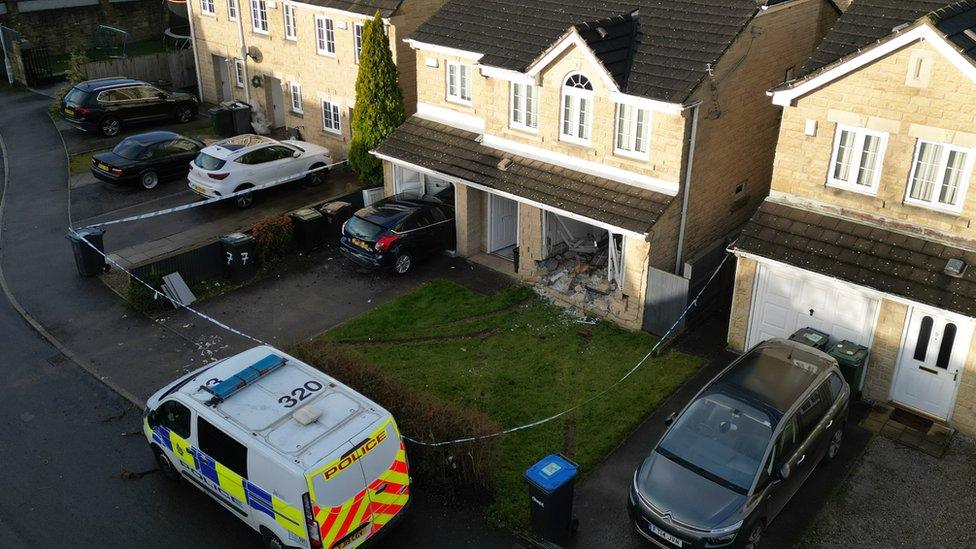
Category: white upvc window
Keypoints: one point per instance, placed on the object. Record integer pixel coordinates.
(857, 158)
(291, 29)
(940, 176)
(324, 36)
(207, 7)
(331, 117)
(239, 72)
(633, 129)
(232, 10)
(296, 97)
(525, 107)
(577, 109)
(458, 83)
(259, 16)
(357, 36)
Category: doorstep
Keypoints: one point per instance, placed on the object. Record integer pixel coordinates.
(909, 429)
(495, 263)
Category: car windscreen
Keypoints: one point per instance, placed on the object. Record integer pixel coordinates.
(130, 149)
(208, 162)
(76, 96)
(358, 227)
(721, 438)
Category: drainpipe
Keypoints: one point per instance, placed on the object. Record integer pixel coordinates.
(193, 44)
(240, 34)
(687, 190)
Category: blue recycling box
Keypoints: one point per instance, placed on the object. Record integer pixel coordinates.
(550, 483)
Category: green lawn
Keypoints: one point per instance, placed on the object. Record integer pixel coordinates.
(518, 359)
(79, 163)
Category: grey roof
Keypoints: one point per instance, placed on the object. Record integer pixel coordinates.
(459, 153)
(888, 261)
(864, 23)
(670, 47)
(954, 20)
(365, 7)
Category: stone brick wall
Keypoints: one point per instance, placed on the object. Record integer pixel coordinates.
(64, 29)
(964, 414)
(742, 295)
(885, 347)
(877, 97)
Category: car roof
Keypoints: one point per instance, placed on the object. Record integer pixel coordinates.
(258, 412)
(773, 375)
(104, 83)
(239, 144)
(149, 138)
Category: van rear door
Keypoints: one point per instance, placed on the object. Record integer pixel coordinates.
(339, 500)
(385, 467)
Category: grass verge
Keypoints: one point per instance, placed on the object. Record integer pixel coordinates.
(516, 358)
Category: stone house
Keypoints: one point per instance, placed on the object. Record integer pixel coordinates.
(603, 151)
(297, 62)
(868, 232)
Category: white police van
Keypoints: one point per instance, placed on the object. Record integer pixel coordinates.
(297, 455)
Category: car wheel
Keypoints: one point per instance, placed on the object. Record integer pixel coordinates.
(184, 114)
(836, 441)
(754, 538)
(149, 179)
(166, 467)
(110, 126)
(245, 200)
(403, 263)
(318, 178)
(271, 541)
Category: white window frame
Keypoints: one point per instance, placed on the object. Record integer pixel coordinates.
(459, 88)
(857, 151)
(523, 113)
(239, 73)
(630, 147)
(576, 96)
(208, 7)
(617, 260)
(357, 40)
(967, 170)
(259, 17)
(291, 22)
(325, 36)
(232, 10)
(295, 91)
(335, 111)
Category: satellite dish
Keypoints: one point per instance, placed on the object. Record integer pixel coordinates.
(254, 53)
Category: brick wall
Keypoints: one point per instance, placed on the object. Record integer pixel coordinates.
(742, 295)
(877, 97)
(964, 414)
(885, 348)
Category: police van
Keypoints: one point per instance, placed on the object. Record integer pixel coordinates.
(297, 455)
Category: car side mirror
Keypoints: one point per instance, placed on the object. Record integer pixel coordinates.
(296, 154)
(151, 419)
(784, 471)
(670, 419)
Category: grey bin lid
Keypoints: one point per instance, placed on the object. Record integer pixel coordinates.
(307, 214)
(235, 238)
(334, 207)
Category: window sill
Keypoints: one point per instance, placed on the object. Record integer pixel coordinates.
(948, 210)
(576, 142)
(291, 39)
(261, 33)
(333, 133)
(867, 191)
(523, 133)
(325, 54)
(297, 114)
(208, 13)
(460, 102)
(623, 155)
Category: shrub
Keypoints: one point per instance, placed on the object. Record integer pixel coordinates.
(275, 237)
(76, 73)
(143, 300)
(456, 472)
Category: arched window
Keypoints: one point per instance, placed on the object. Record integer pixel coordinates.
(577, 108)
(922, 343)
(945, 348)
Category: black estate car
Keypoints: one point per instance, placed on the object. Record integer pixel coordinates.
(733, 458)
(147, 159)
(393, 232)
(105, 105)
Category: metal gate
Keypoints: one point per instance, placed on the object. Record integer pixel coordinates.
(37, 65)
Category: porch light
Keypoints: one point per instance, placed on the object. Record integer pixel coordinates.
(955, 268)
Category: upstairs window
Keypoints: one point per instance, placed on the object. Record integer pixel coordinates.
(232, 10)
(207, 7)
(259, 16)
(459, 83)
(525, 106)
(324, 36)
(940, 176)
(857, 158)
(577, 109)
(357, 36)
(291, 31)
(633, 128)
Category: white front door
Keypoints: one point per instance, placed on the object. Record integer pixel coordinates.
(222, 73)
(277, 101)
(932, 357)
(502, 223)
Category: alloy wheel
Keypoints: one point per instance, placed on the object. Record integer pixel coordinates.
(755, 536)
(403, 264)
(149, 180)
(244, 200)
(111, 127)
(184, 114)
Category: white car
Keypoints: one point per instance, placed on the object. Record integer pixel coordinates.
(246, 161)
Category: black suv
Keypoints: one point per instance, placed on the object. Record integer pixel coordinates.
(738, 452)
(393, 232)
(105, 105)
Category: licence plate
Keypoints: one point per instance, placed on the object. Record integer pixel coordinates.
(664, 535)
(102, 167)
(362, 244)
(69, 112)
(355, 540)
(198, 189)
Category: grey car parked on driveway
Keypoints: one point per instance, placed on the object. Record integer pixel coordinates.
(733, 458)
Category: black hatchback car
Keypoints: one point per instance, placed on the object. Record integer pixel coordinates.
(104, 106)
(733, 458)
(394, 232)
(147, 159)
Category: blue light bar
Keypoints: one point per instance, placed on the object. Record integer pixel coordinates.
(226, 388)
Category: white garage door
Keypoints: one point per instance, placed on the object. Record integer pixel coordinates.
(789, 299)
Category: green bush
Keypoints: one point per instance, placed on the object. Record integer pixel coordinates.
(275, 237)
(76, 73)
(456, 472)
(143, 300)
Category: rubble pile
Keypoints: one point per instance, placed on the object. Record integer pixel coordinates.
(579, 271)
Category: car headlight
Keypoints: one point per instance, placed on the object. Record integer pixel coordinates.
(723, 536)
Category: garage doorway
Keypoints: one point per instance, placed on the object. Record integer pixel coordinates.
(502, 226)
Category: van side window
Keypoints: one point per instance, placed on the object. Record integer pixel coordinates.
(811, 412)
(835, 385)
(222, 448)
(174, 416)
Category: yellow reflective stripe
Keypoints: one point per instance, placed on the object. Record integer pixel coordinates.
(357, 520)
(230, 482)
(288, 516)
(182, 449)
(330, 536)
(396, 477)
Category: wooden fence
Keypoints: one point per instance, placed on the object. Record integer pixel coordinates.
(174, 67)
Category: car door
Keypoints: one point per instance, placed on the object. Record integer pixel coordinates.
(115, 102)
(132, 104)
(255, 166)
(222, 468)
(283, 166)
(779, 489)
(813, 425)
(419, 232)
(150, 103)
(178, 154)
(171, 423)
